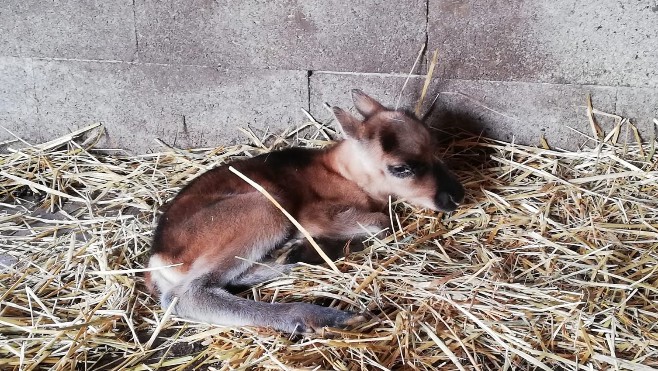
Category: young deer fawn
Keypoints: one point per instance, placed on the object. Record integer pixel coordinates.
(219, 225)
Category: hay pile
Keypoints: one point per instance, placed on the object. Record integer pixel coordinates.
(551, 264)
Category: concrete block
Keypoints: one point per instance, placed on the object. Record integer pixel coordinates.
(362, 35)
(68, 29)
(17, 101)
(503, 110)
(568, 41)
(183, 105)
(641, 107)
(522, 112)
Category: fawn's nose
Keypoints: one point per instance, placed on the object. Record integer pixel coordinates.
(450, 192)
(446, 201)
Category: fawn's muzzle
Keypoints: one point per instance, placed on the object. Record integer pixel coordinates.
(450, 192)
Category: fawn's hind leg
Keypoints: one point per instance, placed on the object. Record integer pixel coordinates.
(200, 299)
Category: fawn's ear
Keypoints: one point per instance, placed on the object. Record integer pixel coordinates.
(352, 127)
(365, 104)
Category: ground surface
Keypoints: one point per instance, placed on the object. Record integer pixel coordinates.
(551, 263)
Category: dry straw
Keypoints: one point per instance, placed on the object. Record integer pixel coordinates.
(550, 264)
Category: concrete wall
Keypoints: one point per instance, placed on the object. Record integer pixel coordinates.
(193, 71)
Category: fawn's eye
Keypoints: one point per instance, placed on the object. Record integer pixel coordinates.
(401, 171)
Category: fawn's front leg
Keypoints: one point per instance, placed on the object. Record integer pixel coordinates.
(329, 220)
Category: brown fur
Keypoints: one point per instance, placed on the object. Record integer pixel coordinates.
(336, 193)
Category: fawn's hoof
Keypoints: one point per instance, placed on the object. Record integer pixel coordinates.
(312, 319)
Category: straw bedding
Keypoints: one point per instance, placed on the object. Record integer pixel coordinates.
(550, 264)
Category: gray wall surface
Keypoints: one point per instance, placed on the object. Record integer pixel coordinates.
(191, 72)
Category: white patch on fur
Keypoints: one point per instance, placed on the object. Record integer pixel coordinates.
(166, 277)
(422, 202)
(358, 165)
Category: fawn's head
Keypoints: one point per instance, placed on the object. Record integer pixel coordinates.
(397, 152)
